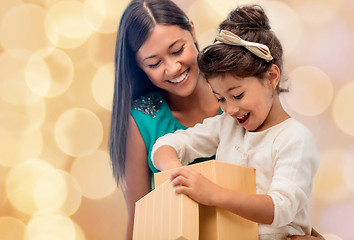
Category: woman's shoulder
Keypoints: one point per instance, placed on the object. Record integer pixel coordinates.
(148, 105)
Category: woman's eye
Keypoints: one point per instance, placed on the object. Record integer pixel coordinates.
(239, 96)
(179, 51)
(154, 65)
(221, 99)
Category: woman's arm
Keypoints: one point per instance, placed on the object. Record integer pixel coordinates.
(136, 183)
(314, 236)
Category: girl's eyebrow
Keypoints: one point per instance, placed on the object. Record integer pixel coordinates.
(153, 56)
(230, 89)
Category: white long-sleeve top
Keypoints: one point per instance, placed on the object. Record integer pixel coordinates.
(285, 158)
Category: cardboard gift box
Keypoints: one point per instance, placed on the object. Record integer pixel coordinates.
(164, 215)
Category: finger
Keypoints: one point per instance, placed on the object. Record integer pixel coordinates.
(180, 181)
(182, 171)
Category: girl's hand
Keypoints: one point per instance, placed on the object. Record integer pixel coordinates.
(187, 181)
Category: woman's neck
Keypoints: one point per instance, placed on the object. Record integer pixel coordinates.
(194, 108)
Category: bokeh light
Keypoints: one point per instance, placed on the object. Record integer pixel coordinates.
(343, 109)
(288, 32)
(57, 191)
(65, 24)
(13, 87)
(94, 174)
(16, 148)
(102, 15)
(318, 12)
(28, 20)
(49, 73)
(329, 183)
(311, 90)
(46, 225)
(102, 85)
(21, 182)
(56, 86)
(11, 228)
(78, 132)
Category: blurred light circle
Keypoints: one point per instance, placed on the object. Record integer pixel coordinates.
(226, 6)
(348, 168)
(329, 236)
(102, 86)
(318, 12)
(199, 13)
(13, 87)
(20, 184)
(338, 218)
(78, 132)
(65, 24)
(19, 120)
(311, 91)
(105, 14)
(49, 73)
(47, 225)
(288, 32)
(94, 174)
(6, 5)
(343, 109)
(97, 48)
(22, 28)
(15, 149)
(329, 185)
(58, 191)
(11, 228)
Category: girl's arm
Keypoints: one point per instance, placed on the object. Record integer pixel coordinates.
(255, 207)
(165, 158)
(136, 183)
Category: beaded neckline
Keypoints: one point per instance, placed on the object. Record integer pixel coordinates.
(148, 104)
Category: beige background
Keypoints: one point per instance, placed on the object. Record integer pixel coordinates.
(56, 84)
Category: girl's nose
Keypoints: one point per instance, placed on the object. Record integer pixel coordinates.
(232, 109)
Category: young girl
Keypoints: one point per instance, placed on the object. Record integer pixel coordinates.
(243, 68)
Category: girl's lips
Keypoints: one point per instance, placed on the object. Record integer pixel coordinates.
(244, 119)
(181, 79)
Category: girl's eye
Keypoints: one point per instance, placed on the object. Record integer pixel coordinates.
(238, 96)
(179, 51)
(221, 99)
(154, 65)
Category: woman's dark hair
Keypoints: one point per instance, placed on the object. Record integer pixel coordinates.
(131, 82)
(251, 24)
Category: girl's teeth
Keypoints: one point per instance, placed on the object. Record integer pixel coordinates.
(242, 116)
(180, 78)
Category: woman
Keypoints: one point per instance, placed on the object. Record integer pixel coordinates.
(157, 91)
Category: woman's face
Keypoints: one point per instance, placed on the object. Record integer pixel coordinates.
(169, 58)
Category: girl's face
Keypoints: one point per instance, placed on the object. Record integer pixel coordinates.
(169, 58)
(249, 100)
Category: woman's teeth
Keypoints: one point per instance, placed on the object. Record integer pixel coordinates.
(180, 78)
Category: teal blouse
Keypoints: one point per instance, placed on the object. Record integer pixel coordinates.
(154, 119)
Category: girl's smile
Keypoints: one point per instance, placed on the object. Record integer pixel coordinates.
(252, 101)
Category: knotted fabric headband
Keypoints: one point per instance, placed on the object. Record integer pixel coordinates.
(257, 49)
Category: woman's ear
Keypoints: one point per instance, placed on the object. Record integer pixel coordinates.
(193, 31)
(273, 76)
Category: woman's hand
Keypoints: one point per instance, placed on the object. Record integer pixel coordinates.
(186, 180)
(314, 236)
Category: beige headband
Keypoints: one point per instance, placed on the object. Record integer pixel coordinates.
(258, 49)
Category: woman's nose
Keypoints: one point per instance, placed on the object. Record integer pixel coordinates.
(173, 67)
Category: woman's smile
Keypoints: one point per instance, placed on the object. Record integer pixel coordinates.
(180, 79)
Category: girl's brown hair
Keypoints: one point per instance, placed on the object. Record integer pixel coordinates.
(251, 24)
